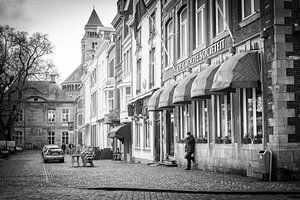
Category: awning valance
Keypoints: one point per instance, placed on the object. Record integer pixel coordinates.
(182, 92)
(166, 97)
(239, 71)
(121, 132)
(203, 82)
(154, 100)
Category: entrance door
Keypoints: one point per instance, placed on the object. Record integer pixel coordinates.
(170, 133)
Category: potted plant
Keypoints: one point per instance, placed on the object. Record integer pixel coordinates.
(246, 139)
(201, 140)
(257, 139)
(219, 140)
(227, 140)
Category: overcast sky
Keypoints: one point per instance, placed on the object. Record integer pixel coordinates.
(62, 20)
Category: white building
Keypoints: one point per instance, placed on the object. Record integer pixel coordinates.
(146, 79)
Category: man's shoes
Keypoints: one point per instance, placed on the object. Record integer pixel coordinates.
(187, 169)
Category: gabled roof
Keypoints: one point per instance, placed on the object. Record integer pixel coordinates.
(75, 77)
(94, 19)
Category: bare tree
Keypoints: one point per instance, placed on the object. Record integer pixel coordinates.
(22, 58)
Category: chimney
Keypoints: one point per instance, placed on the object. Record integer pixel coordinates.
(52, 77)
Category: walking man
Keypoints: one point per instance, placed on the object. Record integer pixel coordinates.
(189, 149)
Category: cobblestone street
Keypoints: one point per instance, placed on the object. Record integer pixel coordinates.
(25, 176)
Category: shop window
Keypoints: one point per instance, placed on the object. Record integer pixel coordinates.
(51, 115)
(249, 7)
(199, 19)
(51, 137)
(146, 134)
(223, 116)
(184, 120)
(202, 119)
(170, 44)
(137, 135)
(93, 135)
(19, 138)
(183, 35)
(65, 137)
(251, 99)
(65, 115)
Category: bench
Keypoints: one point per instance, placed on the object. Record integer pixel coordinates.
(87, 157)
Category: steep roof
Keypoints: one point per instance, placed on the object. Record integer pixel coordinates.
(94, 19)
(75, 77)
(46, 90)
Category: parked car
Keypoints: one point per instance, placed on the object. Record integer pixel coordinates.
(52, 154)
(49, 146)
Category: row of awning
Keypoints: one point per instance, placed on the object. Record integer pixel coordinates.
(239, 71)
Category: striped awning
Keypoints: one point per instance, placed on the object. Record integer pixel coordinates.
(154, 100)
(203, 82)
(182, 93)
(166, 97)
(239, 71)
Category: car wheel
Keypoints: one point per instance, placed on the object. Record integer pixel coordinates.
(62, 161)
(45, 160)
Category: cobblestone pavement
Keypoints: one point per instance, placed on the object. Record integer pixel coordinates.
(25, 176)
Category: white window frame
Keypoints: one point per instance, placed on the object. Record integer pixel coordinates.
(94, 104)
(65, 137)
(65, 115)
(51, 115)
(219, 114)
(51, 137)
(217, 12)
(139, 76)
(110, 100)
(152, 68)
(127, 96)
(170, 43)
(94, 78)
(183, 26)
(146, 134)
(137, 134)
(245, 112)
(252, 9)
(200, 11)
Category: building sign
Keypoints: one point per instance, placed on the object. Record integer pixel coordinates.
(201, 55)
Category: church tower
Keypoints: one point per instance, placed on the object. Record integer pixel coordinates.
(89, 42)
(91, 38)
